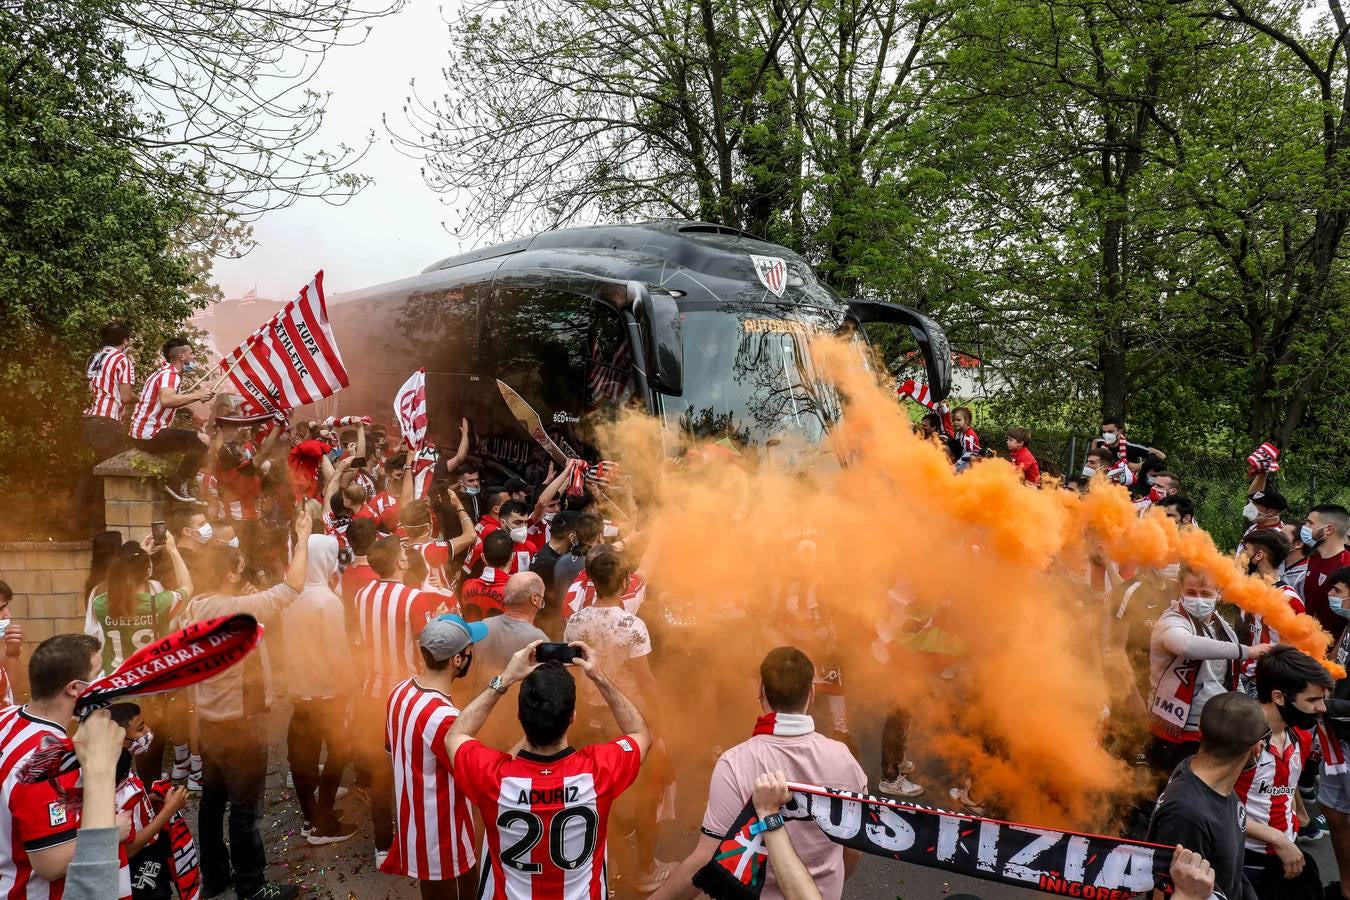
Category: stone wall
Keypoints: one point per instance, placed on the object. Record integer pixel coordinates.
(48, 583)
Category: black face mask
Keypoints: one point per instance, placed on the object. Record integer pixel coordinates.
(1297, 718)
(463, 670)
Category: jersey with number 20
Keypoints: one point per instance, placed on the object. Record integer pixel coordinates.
(545, 817)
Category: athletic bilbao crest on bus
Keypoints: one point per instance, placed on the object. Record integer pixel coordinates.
(772, 273)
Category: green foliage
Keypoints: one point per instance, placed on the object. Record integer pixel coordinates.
(86, 237)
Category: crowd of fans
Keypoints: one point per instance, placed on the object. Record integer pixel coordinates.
(407, 593)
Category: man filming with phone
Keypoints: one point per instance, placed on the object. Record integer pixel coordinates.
(546, 810)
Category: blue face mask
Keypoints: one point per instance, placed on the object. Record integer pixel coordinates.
(1335, 603)
(1305, 534)
(189, 367)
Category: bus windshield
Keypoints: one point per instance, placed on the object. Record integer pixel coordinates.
(749, 377)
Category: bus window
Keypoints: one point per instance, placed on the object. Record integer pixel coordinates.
(536, 341)
(438, 326)
(609, 367)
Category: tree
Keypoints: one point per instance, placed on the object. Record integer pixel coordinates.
(86, 236)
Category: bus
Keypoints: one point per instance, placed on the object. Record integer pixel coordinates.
(702, 326)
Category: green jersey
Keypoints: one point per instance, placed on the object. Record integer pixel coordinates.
(124, 635)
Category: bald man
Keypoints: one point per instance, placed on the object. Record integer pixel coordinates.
(523, 598)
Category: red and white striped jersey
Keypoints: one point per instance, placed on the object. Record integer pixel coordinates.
(1262, 633)
(108, 369)
(436, 555)
(151, 417)
(581, 594)
(434, 840)
(391, 615)
(20, 735)
(1268, 789)
(545, 817)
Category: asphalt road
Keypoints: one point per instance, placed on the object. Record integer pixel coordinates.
(346, 870)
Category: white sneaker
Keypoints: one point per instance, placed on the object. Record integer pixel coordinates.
(968, 804)
(900, 786)
(380, 857)
(194, 782)
(180, 771)
(656, 877)
(306, 830)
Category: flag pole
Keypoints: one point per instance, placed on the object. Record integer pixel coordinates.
(228, 372)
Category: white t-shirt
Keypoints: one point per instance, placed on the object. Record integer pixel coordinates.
(616, 635)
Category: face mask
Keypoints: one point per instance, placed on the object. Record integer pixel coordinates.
(548, 517)
(1297, 718)
(1305, 534)
(1199, 607)
(1249, 512)
(1088, 471)
(1252, 567)
(4, 626)
(205, 532)
(472, 491)
(1336, 605)
(463, 670)
(1109, 437)
(233, 542)
(519, 534)
(189, 367)
(142, 743)
(1157, 494)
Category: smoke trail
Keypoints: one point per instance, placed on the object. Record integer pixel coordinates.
(891, 536)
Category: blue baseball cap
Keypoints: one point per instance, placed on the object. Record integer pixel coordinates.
(447, 635)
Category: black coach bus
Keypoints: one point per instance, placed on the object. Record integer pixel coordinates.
(703, 326)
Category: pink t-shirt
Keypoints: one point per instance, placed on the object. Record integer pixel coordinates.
(808, 758)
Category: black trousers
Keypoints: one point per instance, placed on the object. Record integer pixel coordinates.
(894, 732)
(316, 724)
(373, 761)
(234, 771)
(1266, 875)
(106, 437)
(178, 440)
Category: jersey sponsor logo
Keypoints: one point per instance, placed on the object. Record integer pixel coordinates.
(1267, 787)
(56, 813)
(625, 744)
(567, 794)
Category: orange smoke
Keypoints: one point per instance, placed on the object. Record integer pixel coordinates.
(1016, 691)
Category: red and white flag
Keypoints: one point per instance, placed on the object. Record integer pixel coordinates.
(410, 408)
(291, 360)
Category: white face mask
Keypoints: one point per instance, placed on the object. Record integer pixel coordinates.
(1088, 471)
(233, 542)
(4, 626)
(1109, 437)
(205, 532)
(1199, 607)
(1249, 512)
(548, 517)
(141, 744)
(519, 534)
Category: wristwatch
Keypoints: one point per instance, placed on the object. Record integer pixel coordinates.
(497, 684)
(768, 823)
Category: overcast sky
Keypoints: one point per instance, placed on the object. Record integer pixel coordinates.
(394, 227)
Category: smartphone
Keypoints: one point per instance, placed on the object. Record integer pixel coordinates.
(158, 533)
(563, 653)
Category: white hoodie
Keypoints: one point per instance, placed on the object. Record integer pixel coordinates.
(318, 653)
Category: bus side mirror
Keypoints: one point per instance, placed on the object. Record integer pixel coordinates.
(662, 343)
(932, 340)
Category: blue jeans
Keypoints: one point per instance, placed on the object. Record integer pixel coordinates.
(234, 771)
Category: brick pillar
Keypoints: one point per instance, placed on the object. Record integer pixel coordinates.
(132, 493)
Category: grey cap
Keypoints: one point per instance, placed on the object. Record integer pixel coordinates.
(446, 636)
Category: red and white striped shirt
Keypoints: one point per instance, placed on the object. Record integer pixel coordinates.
(581, 594)
(107, 371)
(434, 841)
(20, 735)
(546, 817)
(391, 615)
(1268, 789)
(151, 417)
(1262, 633)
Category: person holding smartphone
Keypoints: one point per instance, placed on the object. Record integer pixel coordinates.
(546, 810)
